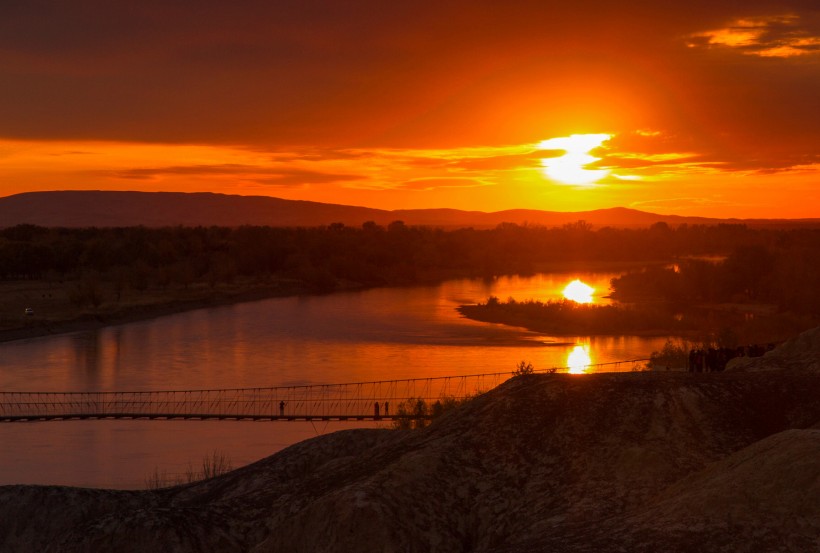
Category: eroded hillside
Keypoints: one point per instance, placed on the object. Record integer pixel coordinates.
(636, 462)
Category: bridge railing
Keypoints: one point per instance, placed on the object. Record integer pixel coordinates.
(324, 400)
(348, 400)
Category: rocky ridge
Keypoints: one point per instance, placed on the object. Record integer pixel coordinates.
(611, 462)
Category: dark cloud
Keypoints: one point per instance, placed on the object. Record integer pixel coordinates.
(639, 162)
(263, 175)
(755, 151)
(141, 173)
(779, 35)
(315, 154)
(423, 74)
(298, 177)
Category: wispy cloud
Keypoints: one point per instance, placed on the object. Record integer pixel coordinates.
(776, 36)
(633, 156)
(432, 183)
(678, 203)
(269, 176)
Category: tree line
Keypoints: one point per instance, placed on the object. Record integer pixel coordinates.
(761, 264)
(787, 276)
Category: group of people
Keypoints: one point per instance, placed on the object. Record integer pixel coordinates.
(386, 409)
(715, 359)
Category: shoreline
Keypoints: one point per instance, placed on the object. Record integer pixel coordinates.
(765, 327)
(482, 313)
(39, 328)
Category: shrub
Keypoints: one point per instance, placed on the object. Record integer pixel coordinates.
(523, 368)
(418, 413)
(674, 355)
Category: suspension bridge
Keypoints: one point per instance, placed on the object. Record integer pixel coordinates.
(359, 401)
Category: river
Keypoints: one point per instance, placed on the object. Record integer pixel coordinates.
(378, 334)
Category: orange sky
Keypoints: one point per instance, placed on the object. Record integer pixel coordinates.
(702, 108)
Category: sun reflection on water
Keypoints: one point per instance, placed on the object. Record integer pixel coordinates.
(578, 360)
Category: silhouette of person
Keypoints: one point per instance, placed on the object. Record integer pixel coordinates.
(376, 409)
(386, 408)
(281, 408)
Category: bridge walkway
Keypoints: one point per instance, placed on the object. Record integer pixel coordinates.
(385, 400)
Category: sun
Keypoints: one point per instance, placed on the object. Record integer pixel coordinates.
(569, 168)
(578, 292)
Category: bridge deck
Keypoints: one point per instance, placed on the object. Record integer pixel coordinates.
(385, 400)
(203, 417)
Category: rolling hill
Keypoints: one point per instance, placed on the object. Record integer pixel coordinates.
(157, 209)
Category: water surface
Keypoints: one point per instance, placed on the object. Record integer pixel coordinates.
(378, 334)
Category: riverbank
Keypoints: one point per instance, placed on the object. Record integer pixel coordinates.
(568, 318)
(747, 323)
(54, 312)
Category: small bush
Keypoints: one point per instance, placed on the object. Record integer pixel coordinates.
(523, 368)
(673, 355)
(424, 411)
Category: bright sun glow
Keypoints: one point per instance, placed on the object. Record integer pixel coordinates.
(579, 360)
(579, 292)
(569, 168)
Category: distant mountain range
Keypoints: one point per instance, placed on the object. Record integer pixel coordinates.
(156, 209)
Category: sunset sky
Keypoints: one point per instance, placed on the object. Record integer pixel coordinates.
(696, 108)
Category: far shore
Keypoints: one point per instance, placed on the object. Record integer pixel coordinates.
(64, 319)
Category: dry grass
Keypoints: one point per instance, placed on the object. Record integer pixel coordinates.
(213, 465)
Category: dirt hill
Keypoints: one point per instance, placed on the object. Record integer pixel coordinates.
(801, 352)
(670, 462)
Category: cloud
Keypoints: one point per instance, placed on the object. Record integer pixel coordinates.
(642, 161)
(774, 36)
(433, 183)
(654, 153)
(151, 173)
(317, 154)
(488, 163)
(368, 74)
(274, 176)
(677, 204)
(71, 153)
(371, 95)
(299, 177)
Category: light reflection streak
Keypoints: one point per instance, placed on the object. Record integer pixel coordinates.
(579, 360)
